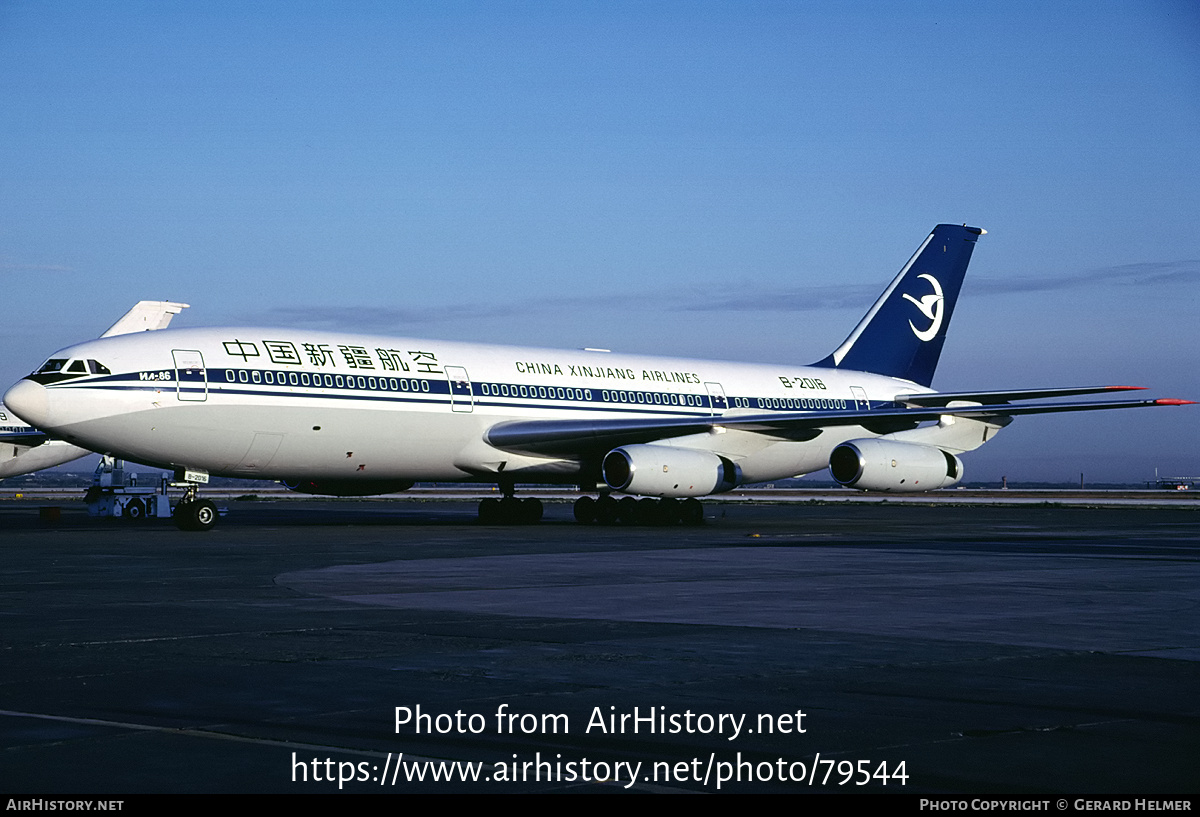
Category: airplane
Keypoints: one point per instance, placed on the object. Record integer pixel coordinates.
(25, 449)
(345, 414)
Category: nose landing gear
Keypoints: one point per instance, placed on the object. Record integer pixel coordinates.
(194, 513)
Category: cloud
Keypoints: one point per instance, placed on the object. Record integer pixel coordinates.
(800, 298)
(787, 299)
(1142, 274)
(740, 297)
(386, 319)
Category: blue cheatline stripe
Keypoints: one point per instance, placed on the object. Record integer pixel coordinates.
(436, 392)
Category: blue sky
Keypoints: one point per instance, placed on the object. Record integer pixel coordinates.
(734, 180)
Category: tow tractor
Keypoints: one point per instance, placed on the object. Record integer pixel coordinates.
(116, 493)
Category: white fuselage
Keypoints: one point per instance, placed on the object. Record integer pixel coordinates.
(295, 404)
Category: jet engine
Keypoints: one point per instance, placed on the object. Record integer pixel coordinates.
(886, 465)
(349, 487)
(666, 471)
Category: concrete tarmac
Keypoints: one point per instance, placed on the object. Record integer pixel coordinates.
(798, 647)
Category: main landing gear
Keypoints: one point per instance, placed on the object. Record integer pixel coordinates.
(605, 510)
(509, 510)
(608, 510)
(194, 513)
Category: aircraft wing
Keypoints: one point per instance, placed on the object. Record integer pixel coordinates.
(591, 437)
(29, 438)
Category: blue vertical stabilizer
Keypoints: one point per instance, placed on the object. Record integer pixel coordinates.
(902, 335)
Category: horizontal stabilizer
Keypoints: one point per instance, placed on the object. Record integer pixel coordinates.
(944, 398)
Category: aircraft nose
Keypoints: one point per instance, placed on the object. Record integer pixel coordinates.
(28, 401)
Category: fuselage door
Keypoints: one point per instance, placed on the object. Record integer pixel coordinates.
(461, 398)
(860, 398)
(191, 380)
(716, 398)
(261, 452)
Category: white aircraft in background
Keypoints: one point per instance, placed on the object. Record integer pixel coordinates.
(345, 414)
(25, 449)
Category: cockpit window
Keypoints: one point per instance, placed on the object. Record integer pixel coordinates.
(52, 365)
(77, 366)
(97, 367)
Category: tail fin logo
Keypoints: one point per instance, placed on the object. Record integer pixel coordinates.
(931, 307)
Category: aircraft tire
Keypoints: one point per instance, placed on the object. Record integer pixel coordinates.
(668, 511)
(183, 516)
(627, 511)
(489, 511)
(585, 510)
(648, 512)
(607, 510)
(691, 512)
(511, 511)
(529, 512)
(202, 514)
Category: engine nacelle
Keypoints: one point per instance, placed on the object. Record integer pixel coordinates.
(663, 470)
(885, 465)
(349, 487)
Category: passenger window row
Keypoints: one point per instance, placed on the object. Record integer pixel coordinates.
(422, 385)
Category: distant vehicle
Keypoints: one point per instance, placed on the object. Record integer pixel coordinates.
(345, 414)
(118, 494)
(25, 449)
